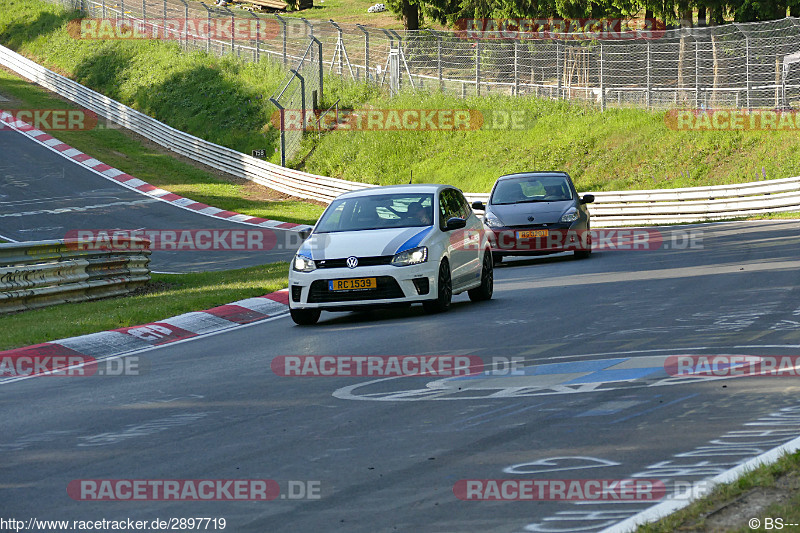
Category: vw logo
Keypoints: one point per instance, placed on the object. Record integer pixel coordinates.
(352, 261)
(530, 218)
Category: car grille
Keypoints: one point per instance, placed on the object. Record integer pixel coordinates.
(387, 288)
(362, 262)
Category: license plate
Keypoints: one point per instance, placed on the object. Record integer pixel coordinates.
(531, 233)
(352, 284)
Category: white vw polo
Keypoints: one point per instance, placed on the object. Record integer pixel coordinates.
(391, 245)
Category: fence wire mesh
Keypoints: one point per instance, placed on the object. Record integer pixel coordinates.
(752, 65)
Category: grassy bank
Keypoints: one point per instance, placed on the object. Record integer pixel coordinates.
(224, 101)
(165, 296)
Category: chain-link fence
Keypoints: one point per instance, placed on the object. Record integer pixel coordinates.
(297, 97)
(753, 65)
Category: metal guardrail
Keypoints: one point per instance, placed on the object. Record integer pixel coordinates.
(41, 273)
(615, 208)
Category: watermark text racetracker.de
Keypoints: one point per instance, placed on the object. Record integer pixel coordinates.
(543, 239)
(187, 240)
(375, 365)
(560, 29)
(77, 365)
(193, 490)
(122, 524)
(48, 119)
(731, 365)
(623, 490)
(222, 29)
(732, 120)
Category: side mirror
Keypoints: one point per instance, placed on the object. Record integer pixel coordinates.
(478, 205)
(587, 198)
(455, 223)
(305, 233)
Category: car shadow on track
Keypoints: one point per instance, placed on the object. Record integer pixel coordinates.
(405, 313)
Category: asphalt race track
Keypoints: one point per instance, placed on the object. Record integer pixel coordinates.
(590, 400)
(44, 196)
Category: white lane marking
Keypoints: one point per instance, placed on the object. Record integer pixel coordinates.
(700, 489)
(62, 210)
(551, 464)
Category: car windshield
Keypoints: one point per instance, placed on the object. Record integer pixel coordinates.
(377, 211)
(531, 189)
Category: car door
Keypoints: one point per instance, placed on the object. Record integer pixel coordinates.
(473, 237)
(451, 207)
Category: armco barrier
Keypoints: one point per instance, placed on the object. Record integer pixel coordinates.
(41, 273)
(616, 208)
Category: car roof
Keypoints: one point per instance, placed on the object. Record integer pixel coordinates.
(550, 173)
(389, 189)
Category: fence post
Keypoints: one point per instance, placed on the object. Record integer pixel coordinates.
(478, 66)
(747, 67)
(649, 78)
(233, 30)
(310, 26)
(258, 37)
(144, 13)
(104, 8)
(696, 74)
(208, 37)
(602, 84)
(165, 19)
(185, 24)
(282, 112)
(283, 22)
(558, 69)
(366, 52)
(516, 69)
(122, 10)
(319, 61)
(438, 59)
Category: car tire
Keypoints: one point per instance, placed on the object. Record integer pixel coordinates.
(305, 317)
(444, 290)
(584, 254)
(497, 258)
(486, 289)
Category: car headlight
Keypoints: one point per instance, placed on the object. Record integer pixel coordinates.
(492, 221)
(570, 216)
(411, 257)
(302, 263)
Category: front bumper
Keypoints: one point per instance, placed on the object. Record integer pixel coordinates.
(545, 240)
(395, 285)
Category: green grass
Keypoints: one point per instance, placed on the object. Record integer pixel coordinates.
(693, 517)
(172, 294)
(619, 149)
(224, 100)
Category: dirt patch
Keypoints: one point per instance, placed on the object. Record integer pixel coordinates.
(153, 287)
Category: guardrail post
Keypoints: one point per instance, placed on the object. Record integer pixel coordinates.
(283, 22)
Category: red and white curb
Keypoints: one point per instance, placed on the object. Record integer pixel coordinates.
(133, 183)
(136, 338)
